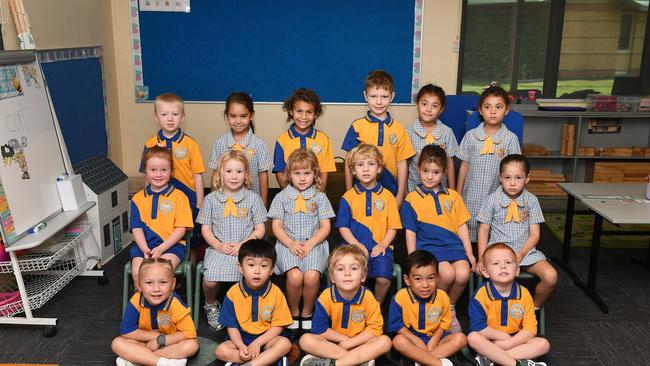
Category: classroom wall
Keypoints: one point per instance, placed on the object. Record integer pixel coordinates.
(75, 23)
(70, 24)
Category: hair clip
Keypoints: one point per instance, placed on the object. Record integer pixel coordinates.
(491, 85)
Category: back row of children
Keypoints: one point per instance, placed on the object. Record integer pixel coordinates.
(380, 151)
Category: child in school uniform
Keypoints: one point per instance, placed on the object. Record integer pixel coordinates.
(429, 130)
(512, 215)
(169, 113)
(231, 215)
(481, 150)
(368, 216)
(435, 219)
(239, 114)
(160, 214)
(301, 216)
(348, 325)
(378, 128)
(157, 328)
(512, 340)
(420, 314)
(303, 107)
(254, 311)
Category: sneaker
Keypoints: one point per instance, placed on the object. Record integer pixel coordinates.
(310, 360)
(369, 363)
(445, 362)
(455, 325)
(530, 363)
(122, 362)
(212, 312)
(483, 361)
(171, 361)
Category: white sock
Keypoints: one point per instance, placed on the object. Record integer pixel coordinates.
(171, 362)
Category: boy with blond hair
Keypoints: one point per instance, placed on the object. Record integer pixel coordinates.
(378, 128)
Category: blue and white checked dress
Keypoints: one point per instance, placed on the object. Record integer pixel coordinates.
(445, 138)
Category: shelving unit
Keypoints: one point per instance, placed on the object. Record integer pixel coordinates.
(545, 128)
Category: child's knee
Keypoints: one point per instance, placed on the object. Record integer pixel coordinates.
(294, 277)
(190, 346)
(475, 338)
(306, 341)
(210, 284)
(311, 278)
(384, 343)
(382, 281)
(461, 277)
(542, 345)
(283, 344)
(221, 351)
(550, 277)
(459, 340)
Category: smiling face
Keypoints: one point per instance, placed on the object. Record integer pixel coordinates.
(256, 271)
(169, 116)
(378, 99)
(157, 172)
(233, 174)
(501, 266)
(431, 175)
(347, 275)
(429, 109)
(423, 281)
(304, 116)
(156, 283)
(513, 179)
(493, 110)
(239, 118)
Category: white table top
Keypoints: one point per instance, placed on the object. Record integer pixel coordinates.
(614, 210)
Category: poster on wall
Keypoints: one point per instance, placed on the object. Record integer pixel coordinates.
(165, 5)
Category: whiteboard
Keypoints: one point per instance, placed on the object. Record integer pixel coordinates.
(32, 156)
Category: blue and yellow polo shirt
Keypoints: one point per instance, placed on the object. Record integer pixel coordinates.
(168, 317)
(434, 217)
(368, 213)
(509, 314)
(187, 160)
(254, 312)
(314, 140)
(347, 317)
(389, 136)
(421, 316)
(159, 213)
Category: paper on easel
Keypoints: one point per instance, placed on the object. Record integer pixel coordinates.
(71, 192)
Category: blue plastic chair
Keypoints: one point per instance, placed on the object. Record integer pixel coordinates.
(514, 121)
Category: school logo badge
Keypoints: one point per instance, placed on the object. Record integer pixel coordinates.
(180, 153)
(379, 204)
(312, 207)
(433, 315)
(448, 204)
(250, 153)
(392, 138)
(523, 214)
(358, 316)
(516, 311)
(501, 152)
(166, 206)
(316, 148)
(164, 319)
(267, 313)
(242, 212)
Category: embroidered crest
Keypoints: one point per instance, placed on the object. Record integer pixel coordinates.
(501, 152)
(516, 311)
(242, 212)
(433, 315)
(392, 138)
(379, 204)
(166, 206)
(180, 153)
(448, 205)
(523, 214)
(358, 316)
(316, 148)
(312, 207)
(164, 319)
(267, 313)
(250, 153)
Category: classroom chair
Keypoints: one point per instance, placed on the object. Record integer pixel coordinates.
(184, 269)
(541, 322)
(514, 121)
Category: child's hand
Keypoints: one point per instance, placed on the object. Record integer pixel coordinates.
(363, 249)
(345, 344)
(431, 345)
(378, 250)
(519, 257)
(153, 345)
(254, 350)
(479, 269)
(244, 354)
(472, 261)
(147, 253)
(295, 248)
(306, 249)
(235, 248)
(157, 252)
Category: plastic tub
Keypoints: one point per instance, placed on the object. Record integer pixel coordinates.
(605, 103)
(627, 104)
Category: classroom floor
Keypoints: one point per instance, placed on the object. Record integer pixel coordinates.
(89, 317)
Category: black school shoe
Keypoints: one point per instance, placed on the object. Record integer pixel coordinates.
(530, 363)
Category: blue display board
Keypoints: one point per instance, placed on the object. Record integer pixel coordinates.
(77, 92)
(269, 48)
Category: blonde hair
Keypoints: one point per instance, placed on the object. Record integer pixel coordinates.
(161, 262)
(497, 246)
(343, 250)
(217, 182)
(365, 151)
(170, 98)
(303, 159)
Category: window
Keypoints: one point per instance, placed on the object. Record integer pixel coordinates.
(563, 47)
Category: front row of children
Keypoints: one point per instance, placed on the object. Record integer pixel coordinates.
(348, 327)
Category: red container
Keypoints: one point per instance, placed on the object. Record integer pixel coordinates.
(605, 103)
